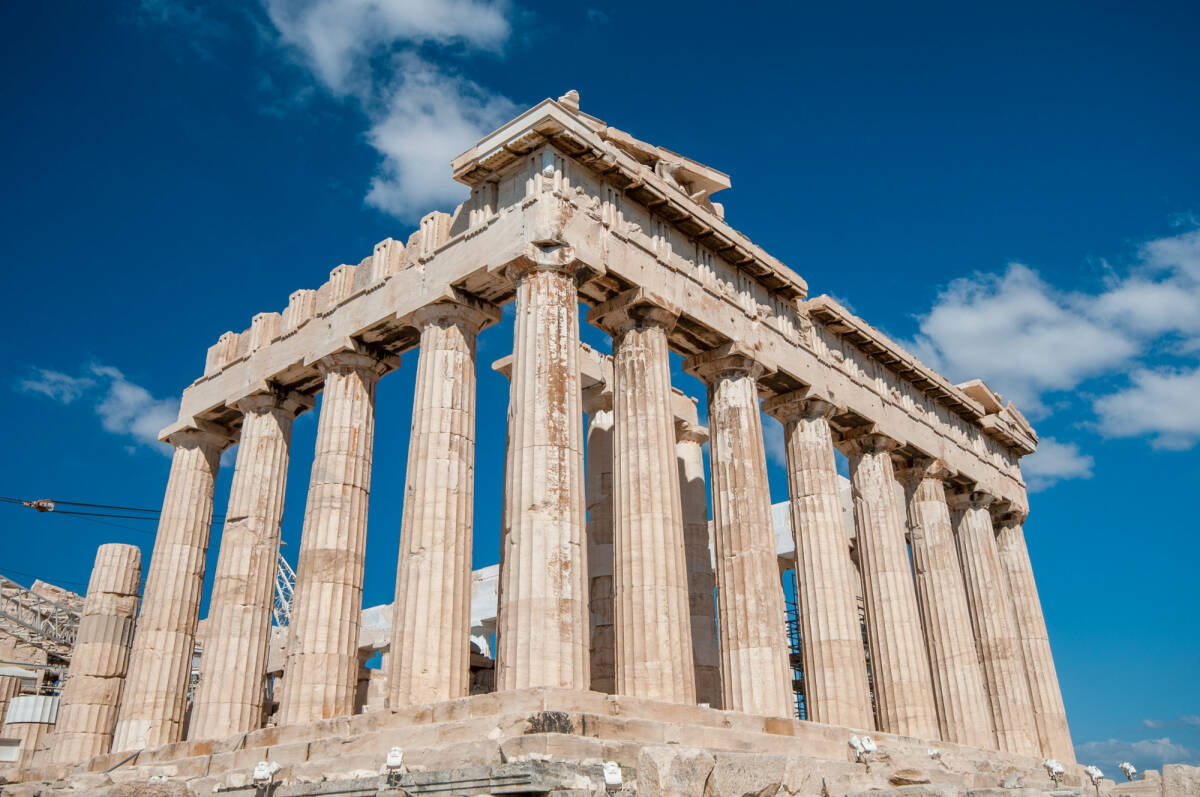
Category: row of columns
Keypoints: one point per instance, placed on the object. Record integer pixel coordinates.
(927, 677)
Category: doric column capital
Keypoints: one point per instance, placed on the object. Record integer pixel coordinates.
(359, 359)
(924, 468)
(1008, 513)
(198, 434)
(729, 360)
(459, 308)
(636, 308)
(686, 432)
(798, 405)
(288, 401)
(970, 499)
(868, 442)
(543, 257)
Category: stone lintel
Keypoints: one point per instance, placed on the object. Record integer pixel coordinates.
(635, 307)
(728, 358)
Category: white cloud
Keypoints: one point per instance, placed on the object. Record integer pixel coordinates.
(1038, 345)
(430, 118)
(421, 114)
(123, 407)
(1162, 404)
(55, 385)
(130, 409)
(1021, 335)
(1055, 461)
(1145, 754)
(338, 38)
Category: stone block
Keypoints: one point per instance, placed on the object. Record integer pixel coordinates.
(673, 771)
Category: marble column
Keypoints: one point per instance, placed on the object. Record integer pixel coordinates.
(155, 697)
(995, 626)
(835, 669)
(899, 664)
(756, 675)
(958, 688)
(1054, 737)
(87, 711)
(597, 405)
(229, 696)
(430, 651)
(542, 624)
(693, 493)
(650, 588)
(321, 669)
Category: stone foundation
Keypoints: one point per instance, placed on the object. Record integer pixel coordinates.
(662, 748)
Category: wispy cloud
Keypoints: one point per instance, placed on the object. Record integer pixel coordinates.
(1131, 343)
(55, 385)
(1055, 461)
(400, 60)
(1144, 754)
(123, 407)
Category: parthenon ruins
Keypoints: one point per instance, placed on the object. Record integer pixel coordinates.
(920, 650)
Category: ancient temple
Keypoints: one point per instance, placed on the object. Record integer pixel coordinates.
(609, 647)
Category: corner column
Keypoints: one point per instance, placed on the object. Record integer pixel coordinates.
(1049, 712)
(542, 623)
(958, 688)
(87, 712)
(160, 666)
(899, 664)
(835, 669)
(597, 405)
(995, 626)
(430, 651)
(650, 590)
(693, 494)
(321, 670)
(229, 697)
(756, 674)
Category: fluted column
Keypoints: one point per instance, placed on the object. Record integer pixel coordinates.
(899, 664)
(321, 670)
(650, 589)
(542, 624)
(958, 688)
(229, 697)
(154, 701)
(995, 626)
(1054, 736)
(693, 493)
(835, 670)
(430, 652)
(597, 405)
(87, 712)
(756, 675)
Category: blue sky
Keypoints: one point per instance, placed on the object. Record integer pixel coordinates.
(1011, 191)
